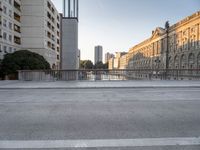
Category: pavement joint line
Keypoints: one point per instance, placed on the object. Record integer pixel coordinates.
(120, 87)
(104, 143)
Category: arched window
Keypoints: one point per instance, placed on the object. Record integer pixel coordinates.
(191, 61)
(198, 61)
(53, 66)
(183, 62)
(176, 62)
(170, 62)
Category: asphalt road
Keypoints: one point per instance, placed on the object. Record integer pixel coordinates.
(101, 114)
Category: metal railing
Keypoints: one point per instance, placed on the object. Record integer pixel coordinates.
(109, 75)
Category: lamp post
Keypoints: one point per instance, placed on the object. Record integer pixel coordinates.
(157, 61)
(167, 49)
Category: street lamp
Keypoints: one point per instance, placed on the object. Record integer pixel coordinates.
(167, 51)
(157, 61)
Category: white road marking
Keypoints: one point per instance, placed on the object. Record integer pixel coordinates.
(192, 141)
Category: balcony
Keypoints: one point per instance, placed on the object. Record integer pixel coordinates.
(49, 44)
(49, 15)
(53, 20)
(58, 49)
(49, 35)
(17, 40)
(17, 6)
(53, 47)
(49, 25)
(58, 33)
(17, 17)
(52, 10)
(58, 57)
(58, 26)
(17, 28)
(49, 5)
(53, 29)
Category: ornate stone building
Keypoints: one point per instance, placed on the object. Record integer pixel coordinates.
(181, 44)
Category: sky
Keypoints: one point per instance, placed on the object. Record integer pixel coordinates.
(118, 25)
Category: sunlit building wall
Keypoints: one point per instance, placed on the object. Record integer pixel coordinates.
(181, 45)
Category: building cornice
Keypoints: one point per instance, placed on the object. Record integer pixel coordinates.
(172, 28)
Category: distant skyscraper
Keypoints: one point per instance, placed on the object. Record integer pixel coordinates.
(108, 56)
(98, 54)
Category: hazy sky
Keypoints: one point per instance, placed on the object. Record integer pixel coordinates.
(118, 25)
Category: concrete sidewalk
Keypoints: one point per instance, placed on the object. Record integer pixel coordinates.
(98, 84)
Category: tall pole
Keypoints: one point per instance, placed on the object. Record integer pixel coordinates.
(74, 8)
(77, 9)
(64, 8)
(69, 8)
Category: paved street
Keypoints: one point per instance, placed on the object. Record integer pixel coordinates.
(137, 118)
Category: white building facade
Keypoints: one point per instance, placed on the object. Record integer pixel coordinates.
(10, 26)
(33, 25)
(41, 30)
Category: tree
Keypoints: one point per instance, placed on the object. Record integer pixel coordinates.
(86, 64)
(99, 65)
(23, 60)
(105, 65)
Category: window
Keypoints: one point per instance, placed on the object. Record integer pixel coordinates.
(10, 2)
(10, 38)
(53, 38)
(53, 20)
(0, 48)
(49, 25)
(49, 44)
(17, 17)
(5, 36)
(58, 49)
(10, 25)
(5, 9)
(10, 13)
(53, 11)
(17, 28)
(4, 22)
(58, 18)
(17, 40)
(0, 34)
(17, 6)
(10, 49)
(48, 15)
(5, 49)
(53, 46)
(48, 5)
